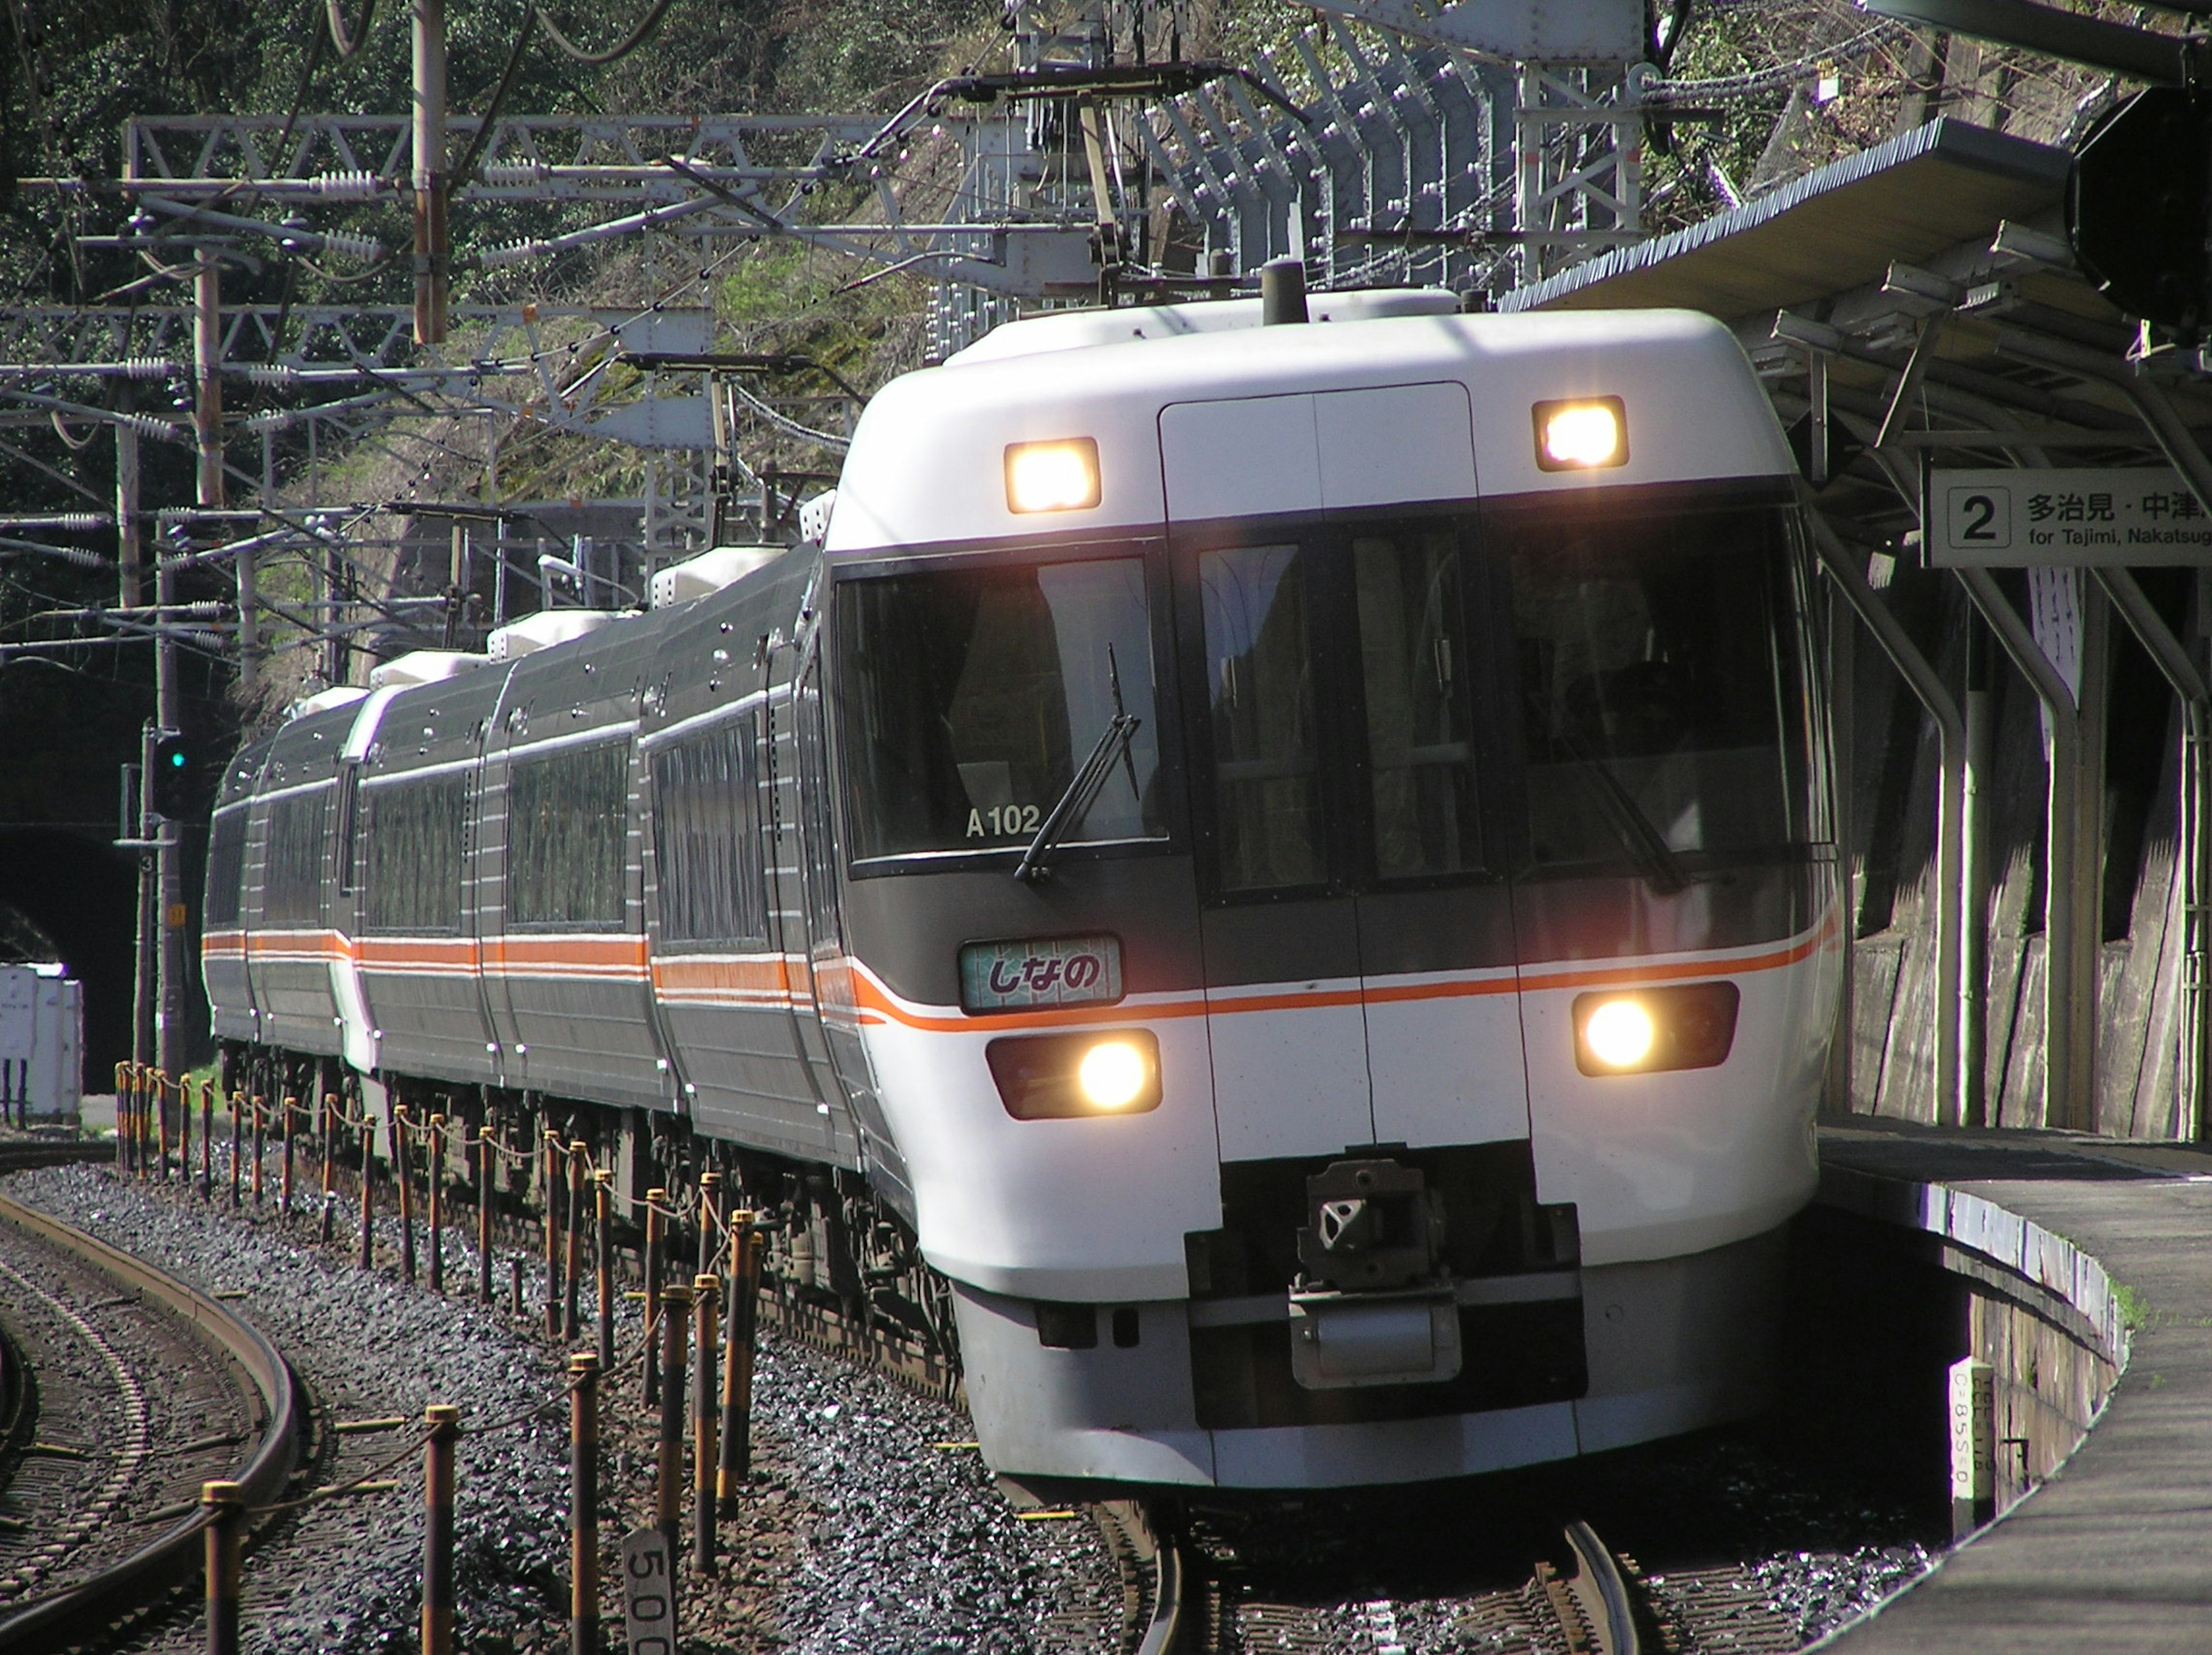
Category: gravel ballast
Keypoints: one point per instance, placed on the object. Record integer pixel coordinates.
(870, 1526)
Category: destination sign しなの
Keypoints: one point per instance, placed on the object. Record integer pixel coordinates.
(997, 976)
(2037, 517)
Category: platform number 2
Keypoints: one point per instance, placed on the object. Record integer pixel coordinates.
(1981, 518)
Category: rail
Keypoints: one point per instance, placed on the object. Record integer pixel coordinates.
(173, 1558)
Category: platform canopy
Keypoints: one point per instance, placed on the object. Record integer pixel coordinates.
(1926, 287)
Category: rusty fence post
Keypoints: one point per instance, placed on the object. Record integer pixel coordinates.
(668, 1484)
(655, 1199)
(706, 1293)
(434, 1150)
(161, 1124)
(367, 1192)
(237, 1148)
(484, 1213)
(184, 1134)
(444, 1422)
(260, 1142)
(552, 1183)
(291, 1108)
(740, 1332)
(122, 1103)
(403, 1170)
(329, 1175)
(583, 1504)
(207, 1141)
(225, 1505)
(603, 1261)
(579, 1158)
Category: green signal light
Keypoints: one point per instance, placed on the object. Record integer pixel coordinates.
(176, 761)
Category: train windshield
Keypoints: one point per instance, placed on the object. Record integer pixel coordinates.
(972, 697)
(1664, 707)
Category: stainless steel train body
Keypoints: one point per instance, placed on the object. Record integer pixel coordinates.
(1298, 877)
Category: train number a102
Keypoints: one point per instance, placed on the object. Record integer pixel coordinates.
(1040, 971)
(649, 1586)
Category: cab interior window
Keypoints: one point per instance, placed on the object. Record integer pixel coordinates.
(970, 696)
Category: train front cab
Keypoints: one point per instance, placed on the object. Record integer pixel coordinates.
(1413, 793)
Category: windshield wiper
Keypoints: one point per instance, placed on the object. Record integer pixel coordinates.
(1646, 846)
(1082, 790)
(1083, 787)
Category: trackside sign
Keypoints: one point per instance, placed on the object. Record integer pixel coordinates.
(2131, 516)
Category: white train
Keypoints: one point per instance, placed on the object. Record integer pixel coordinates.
(1280, 878)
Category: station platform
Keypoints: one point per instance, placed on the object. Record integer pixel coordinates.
(2113, 1551)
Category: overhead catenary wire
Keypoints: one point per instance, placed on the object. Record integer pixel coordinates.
(1756, 83)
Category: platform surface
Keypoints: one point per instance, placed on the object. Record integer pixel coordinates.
(2114, 1552)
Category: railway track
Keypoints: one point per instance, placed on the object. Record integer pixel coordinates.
(126, 1390)
(1596, 1602)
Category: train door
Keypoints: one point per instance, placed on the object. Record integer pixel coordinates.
(1281, 933)
(1437, 952)
(488, 849)
(828, 966)
(1358, 952)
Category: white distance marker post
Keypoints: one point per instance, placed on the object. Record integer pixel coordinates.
(1974, 1446)
(648, 1594)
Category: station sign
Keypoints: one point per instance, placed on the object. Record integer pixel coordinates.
(2028, 517)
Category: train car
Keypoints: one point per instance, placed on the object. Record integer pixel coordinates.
(1271, 887)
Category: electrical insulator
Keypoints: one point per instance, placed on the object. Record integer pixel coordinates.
(356, 185)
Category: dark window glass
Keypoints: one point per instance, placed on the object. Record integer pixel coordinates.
(1664, 705)
(292, 884)
(1414, 671)
(1260, 685)
(414, 840)
(226, 868)
(568, 814)
(971, 697)
(706, 838)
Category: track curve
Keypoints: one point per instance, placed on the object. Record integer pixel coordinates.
(148, 1573)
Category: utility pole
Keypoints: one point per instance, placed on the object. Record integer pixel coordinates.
(207, 375)
(431, 256)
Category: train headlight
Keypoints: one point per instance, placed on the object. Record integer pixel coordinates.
(1113, 1075)
(1645, 1030)
(1060, 475)
(1057, 1077)
(1585, 434)
(1619, 1033)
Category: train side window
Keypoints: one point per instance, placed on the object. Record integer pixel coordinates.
(1412, 644)
(1260, 689)
(413, 838)
(568, 816)
(292, 888)
(349, 833)
(706, 839)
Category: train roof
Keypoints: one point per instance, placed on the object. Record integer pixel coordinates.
(927, 463)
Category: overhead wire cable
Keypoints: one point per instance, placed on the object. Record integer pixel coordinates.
(637, 36)
(345, 44)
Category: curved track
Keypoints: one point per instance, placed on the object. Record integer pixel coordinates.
(131, 1390)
